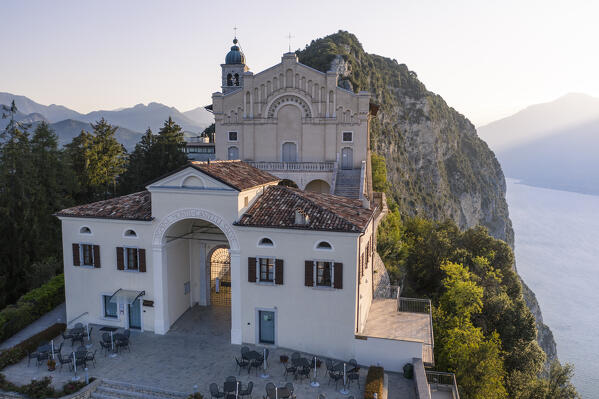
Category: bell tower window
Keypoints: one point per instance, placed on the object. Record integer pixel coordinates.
(236, 79)
(229, 80)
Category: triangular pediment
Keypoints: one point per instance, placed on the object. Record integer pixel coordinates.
(189, 178)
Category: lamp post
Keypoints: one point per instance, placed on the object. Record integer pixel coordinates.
(315, 383)
(344, 391)
(264, 374)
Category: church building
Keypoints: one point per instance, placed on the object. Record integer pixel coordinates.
(279, 230)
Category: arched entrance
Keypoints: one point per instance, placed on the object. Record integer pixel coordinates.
(289, 152)
(185, 244)
(318, 186)
(288, 183)
(219, 261)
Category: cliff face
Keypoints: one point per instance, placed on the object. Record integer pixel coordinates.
(437, 165)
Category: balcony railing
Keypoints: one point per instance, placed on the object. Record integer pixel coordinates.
(439, 381)
(294, 166)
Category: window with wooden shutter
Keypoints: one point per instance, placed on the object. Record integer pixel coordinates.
(309, 273)
(252, 270)
(338, 275)
(97, 263)
(279, 271)
(76, 260)
(142, 260)
(120, 258)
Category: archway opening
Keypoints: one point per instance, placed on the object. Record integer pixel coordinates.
(318, 186)
(198, 276)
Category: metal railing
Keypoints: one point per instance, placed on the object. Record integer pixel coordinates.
(294, 166)
(78, 317)
(440, 381)
(415, 305)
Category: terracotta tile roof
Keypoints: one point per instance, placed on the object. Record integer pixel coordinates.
(237, 174)
(276, 208)
(136, 206)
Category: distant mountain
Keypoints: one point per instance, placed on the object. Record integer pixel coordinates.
(69, 128)
(553, 145)
(200, 116)
(137, 118)
(540, 120)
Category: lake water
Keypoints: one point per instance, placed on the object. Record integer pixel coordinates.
(557, 255)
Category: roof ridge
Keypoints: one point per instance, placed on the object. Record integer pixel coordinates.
(319, 206)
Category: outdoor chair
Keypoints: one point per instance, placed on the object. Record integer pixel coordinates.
(127, 334)
(77, 337)
(214, 392)
(254, 364)
(80, 358)
(41, 357)
(78, 325)
(91, 357)
(354, 375)
(270, 390)
(68, 360)
(303, 372)
(244, 351)
(122, 342)
(289, 386)
(242, 364)
(31, 355)
(334, 376)
(105, 346)
(353, 364)
(323, 396)
(289, 369)
(295, 356)
(66, 335)
(247, 391)
(231, 378)
(230, 386)
(57, 351)
(329, 364)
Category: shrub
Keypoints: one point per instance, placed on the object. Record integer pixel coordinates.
(16, 353)
(374, 382)
(31, 306)
(40, 389)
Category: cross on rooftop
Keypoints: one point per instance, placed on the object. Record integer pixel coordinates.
(290, 37)
(235, 31)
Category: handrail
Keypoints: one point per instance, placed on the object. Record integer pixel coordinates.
(445, 379)
(294, 166)
(82, 314)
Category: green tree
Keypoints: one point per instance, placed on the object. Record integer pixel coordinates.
(106, 158)
(379, 173)
(77, 155)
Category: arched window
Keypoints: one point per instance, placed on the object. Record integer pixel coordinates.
(130, 233)
(229, 80)
(266, 242)
(85, 230)
(324, 245)
(236, 79)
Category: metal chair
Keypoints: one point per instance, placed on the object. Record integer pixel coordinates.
(243, 363)
(303, 372)
(77, 337)
(105, 345)
(354, 375)
(214, 392)
(68, 360)
(289, 369)
(122, 342)
(31, 355)
(247, 391)
(334, 376)
(231, 378)
(91, 357)
(244, 351)
(41, 356)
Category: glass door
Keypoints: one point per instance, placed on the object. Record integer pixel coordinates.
(267, 327)
(135, 315)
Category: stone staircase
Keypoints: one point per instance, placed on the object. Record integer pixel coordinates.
(348, 183)
(108, 389)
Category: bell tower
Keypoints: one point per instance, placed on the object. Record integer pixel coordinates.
(233, 68)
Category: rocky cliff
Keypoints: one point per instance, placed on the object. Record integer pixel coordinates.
(437, 165)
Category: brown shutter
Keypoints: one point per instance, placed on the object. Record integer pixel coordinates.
(142, 260)
(97, 262)
(279, 271)
(120, 258)
(338, 275)
(252, 270)
(76, 260)
(309, 279)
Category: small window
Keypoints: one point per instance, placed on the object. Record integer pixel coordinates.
(131, 259)
(324, 245)
(85, 230)
(246, 201)
(130, 233)
(232, 136)
(324, 274)
(110, 308)
(86, 254)
(267, 270)
(348, 137)
(266, 242)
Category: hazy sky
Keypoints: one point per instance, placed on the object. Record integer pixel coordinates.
(486, 58)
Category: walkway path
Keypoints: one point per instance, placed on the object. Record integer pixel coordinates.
(57, 315)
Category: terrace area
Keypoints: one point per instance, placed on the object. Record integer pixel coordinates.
(195, 352)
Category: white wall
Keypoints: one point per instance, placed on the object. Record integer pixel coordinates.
(392, 355)
(84, 286)
(314, 320)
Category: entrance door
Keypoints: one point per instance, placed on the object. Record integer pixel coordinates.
(135, 315)
(289, 152)
(267, 327)
(233, 153)
(347, 158)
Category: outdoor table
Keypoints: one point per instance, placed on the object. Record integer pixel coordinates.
(253, 355)
(229, 386)
(43, 348)
(111, 330)
(338, 366)
(303, 362)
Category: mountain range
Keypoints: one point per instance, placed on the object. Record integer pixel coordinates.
(132, 122)
(553, 145)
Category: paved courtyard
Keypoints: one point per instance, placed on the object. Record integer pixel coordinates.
(196, 351)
